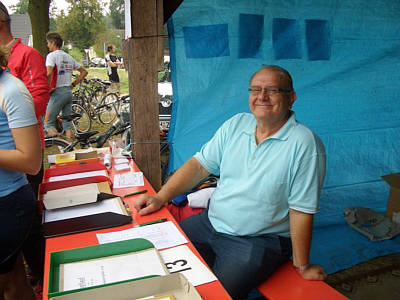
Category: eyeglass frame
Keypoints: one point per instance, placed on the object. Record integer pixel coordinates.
(268, 91)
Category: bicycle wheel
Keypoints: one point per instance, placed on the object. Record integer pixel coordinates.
(55, 146)
(84, 123)
(109, 106)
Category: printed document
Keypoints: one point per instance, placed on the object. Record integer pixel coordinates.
(161, 235)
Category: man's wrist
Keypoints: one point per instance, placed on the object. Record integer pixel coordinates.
(301, 268)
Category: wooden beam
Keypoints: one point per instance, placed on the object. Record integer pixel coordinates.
(169, 7)
(142, 53)
(160, 34)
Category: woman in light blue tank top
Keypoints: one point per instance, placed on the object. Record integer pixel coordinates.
(20, 153)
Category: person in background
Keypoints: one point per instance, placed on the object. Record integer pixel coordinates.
(112, 68)
(20, 153)
(271, 171)
(60, 67)
(27, 64)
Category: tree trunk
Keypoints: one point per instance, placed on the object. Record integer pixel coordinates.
(39, 15)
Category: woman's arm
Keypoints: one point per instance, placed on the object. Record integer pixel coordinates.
(27, 155)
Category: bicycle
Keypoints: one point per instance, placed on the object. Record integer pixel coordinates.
(122, 126)
(86, 139)
(87, 95)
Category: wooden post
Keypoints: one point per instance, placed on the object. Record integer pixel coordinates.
(142, 55)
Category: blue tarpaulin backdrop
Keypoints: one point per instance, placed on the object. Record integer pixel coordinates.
(344, 56)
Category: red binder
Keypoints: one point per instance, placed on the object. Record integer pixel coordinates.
(84, 223)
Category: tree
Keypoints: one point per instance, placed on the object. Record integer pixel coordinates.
(83, 23)
(39, 15)
(117, 13)
(20, 8)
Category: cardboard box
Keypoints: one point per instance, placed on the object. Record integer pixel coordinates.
(393, 204)
(59, 258)
(175, 284)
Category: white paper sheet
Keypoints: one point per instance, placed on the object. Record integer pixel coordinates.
(111, 269)
(128, 179)
(122, 167)
(162, 235)
(109, 205)
(118, 161)
(181, 259)
(79, 175)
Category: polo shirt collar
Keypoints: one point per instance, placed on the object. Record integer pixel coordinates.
(282, 134)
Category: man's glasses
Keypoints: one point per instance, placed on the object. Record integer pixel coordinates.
(256, 90)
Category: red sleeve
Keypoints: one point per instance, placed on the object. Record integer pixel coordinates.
(28, 65)
(36, 74)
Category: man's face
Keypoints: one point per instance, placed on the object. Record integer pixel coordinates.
(271, 106)
(50, 45)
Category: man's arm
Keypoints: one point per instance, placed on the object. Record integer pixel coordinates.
(185, 178)
(82, 74)
(49, 72)
(301, 233)
(113, 64)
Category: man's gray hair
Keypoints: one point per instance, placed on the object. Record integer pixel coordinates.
(283, 72)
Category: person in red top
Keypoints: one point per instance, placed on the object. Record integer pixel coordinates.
(27, 64)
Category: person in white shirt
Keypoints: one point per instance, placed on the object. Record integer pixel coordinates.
(60, 67)
(112, 67)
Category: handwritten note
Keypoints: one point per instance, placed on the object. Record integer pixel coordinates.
(128, 179)
(162, 235)
(181, 259)
(110, 269)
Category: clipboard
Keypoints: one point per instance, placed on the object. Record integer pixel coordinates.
(59, 258)
(96, 221)
(82, 223)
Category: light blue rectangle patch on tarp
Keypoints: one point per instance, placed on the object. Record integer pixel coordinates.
(286, 38)
(206, 41)
(318, 39)
(251, 31)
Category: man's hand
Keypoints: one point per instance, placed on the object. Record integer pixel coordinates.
(313, 272)
(146, 204)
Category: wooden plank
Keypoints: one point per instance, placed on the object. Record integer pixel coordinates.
(142, 54)
(160, 34)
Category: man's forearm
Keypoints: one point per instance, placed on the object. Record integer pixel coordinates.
(185, 178)
(301, 234)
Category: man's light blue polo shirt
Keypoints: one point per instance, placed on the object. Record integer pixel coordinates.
(259, 183)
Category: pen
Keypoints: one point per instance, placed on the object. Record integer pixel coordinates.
(152, 222)
(136, 193)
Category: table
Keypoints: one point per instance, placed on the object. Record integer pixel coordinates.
(212, 290)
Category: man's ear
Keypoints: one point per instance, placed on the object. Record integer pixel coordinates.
(292, 98)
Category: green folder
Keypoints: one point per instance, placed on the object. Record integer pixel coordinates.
(91, 252)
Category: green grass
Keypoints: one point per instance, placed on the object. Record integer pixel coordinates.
(102, 74)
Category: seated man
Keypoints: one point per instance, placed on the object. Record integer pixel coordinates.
(271, 170)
